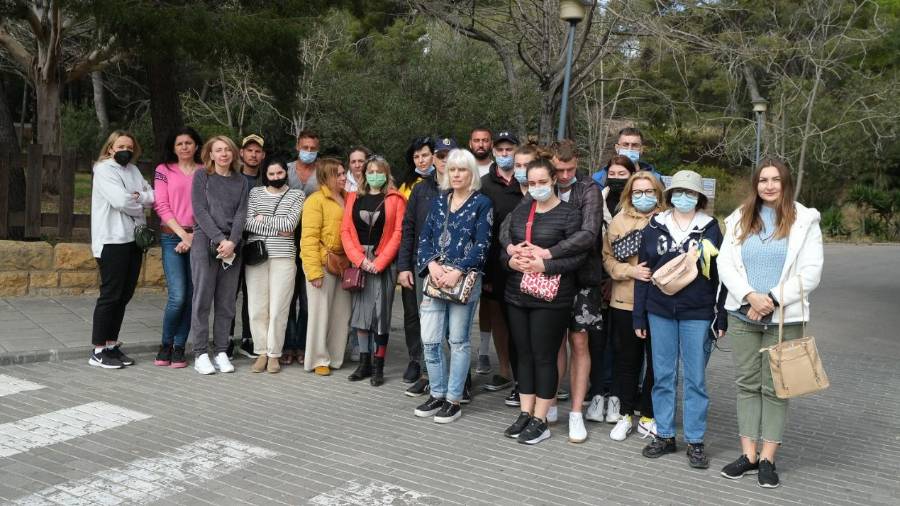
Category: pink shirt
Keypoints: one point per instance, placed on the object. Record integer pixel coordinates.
(173, 194)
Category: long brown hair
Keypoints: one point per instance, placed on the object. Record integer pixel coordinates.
(785, 214)
(381, 163)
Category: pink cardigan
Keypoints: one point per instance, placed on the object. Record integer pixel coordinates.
(173, 194)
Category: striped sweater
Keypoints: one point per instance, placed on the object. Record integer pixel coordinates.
(284, 219)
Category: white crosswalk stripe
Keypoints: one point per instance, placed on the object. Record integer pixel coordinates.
(150, 479)
(371, 493)
(63, 425)
(10, 385)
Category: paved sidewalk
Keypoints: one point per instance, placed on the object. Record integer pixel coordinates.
(78, 435)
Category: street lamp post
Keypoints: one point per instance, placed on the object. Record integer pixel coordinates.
(759, 107)
(571, 12)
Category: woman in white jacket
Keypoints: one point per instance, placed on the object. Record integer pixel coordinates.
(770, 259)
(118, 199)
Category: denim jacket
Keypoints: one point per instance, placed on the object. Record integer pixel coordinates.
(467, 241)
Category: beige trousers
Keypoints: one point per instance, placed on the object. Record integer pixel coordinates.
(270, 286)
(327, 324)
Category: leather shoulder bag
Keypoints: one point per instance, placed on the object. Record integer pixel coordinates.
(677, 273)
(255, 252)
(354, 278)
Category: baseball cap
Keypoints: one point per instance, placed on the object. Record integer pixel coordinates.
(445, 143)
(253, 138)
(506, 135)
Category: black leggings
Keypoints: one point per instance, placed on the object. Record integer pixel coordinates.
(411, 324)
(538, 334)
(631, 351)
(120, 267)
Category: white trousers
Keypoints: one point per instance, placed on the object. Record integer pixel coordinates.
(270, 286)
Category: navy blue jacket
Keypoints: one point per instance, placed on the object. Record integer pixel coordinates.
(696, 301)
(417, 209)
(599, 177)
(467, 241)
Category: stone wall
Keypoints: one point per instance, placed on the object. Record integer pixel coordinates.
(40, 268)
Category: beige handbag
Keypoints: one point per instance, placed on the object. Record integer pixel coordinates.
(677, 273)
(796, 366)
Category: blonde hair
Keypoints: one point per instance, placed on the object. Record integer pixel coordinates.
(206, 154)
(111, 140)
(326, 169)
(382, 164)
(625, 199)
(461, 158)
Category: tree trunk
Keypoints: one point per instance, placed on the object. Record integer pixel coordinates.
(49, 126)
(10, 144)
(165, 104)
(806, 132)
(100, 102)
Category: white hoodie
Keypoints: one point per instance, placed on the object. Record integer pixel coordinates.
(114, 209)
(803, 262)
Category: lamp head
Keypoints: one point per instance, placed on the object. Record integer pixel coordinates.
(571, 10)
(760, 105)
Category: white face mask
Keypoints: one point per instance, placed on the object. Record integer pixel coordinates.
(540, 193)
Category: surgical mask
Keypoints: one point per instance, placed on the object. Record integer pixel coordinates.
(644, 203)
(425, 172)
(308, 157)
(521, 175)
(540, 193)
(504, 162)
(685, 203)
(633, 154)
(123, 157)
(376, 180)
(278, 183)
(566, 185)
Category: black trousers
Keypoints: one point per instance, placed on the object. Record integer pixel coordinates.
(295, 331)
(631, 351)
(538, 334)
(120, 267)
(245, 312)
(411, 325)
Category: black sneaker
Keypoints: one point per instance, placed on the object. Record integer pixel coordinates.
(419, 388)
(230, 350)
(739, 468)
(413, 372)
(448, 413)
(562, 394)
(497, 383)
(246, 348)
(429, 407)
(513, 398)
(659, 447)
(105, 360)
(767, 477)
(178, 359)
(116, 352)
(518, 426)
(697, 456)
(163, 356)
(535, 432)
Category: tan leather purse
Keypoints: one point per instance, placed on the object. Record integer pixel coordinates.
(677, 273)
(796, 366)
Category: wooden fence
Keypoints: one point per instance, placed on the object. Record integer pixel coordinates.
(64, 221)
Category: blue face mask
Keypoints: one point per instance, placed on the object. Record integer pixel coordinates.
(644, 203)
(504, 162)
(521, 176)
(566, 185)
(632, 154)
(685, 203)
(425, 172)
(308, 157)
(540, 193)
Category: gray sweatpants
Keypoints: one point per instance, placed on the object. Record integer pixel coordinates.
(212, 285)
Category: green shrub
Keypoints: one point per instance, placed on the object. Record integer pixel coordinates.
(80, 130)
(833, 223)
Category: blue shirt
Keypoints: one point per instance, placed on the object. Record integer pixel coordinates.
(467, 240)
(763, 255)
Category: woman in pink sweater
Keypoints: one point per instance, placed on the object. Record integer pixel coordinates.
(173, 205)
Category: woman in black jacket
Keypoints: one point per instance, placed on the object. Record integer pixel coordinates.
(539, 294)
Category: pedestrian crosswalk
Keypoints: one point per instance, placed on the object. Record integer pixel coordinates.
(10, 385)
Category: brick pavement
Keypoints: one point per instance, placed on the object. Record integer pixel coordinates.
(295, 438)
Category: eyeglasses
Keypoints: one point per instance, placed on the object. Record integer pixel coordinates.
(643, 193)
(683, 193)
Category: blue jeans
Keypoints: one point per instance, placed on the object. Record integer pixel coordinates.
(177, 316)
(686, 339)
(441, 319)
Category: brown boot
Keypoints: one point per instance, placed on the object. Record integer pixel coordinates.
(260, 364)
(274, 365)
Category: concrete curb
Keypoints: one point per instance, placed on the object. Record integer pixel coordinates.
(29, 357)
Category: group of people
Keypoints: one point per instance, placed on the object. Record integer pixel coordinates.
(567, 270)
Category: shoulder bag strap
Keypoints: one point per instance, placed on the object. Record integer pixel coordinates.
(446, 220)
(530, 222)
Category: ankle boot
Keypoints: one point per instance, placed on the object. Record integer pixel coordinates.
(377, 372)
(364, 369)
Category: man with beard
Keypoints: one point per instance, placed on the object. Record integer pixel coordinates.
(480, 145)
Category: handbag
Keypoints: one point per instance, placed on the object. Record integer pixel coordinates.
(538, 284)
(336, 263)
(354, 278)
(677, 273)
(627, 246)
(796, 365)
(255, 252)
(462, 290)
(144, 236)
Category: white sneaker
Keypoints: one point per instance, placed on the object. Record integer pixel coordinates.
(595, 410)
(222, 363)
(577, 432)
(612, 409)
(622, 429)
(203, 365)
(553, 414)
(647, 427)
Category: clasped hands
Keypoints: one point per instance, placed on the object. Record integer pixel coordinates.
(443, 276)
(760, 305)
(527, 258)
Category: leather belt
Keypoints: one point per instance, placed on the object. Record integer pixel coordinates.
(168, 230)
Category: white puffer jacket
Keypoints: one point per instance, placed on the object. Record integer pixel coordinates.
(803, 262)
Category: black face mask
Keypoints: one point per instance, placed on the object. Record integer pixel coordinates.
(278, 183)
(616, 186)
(123, 157)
